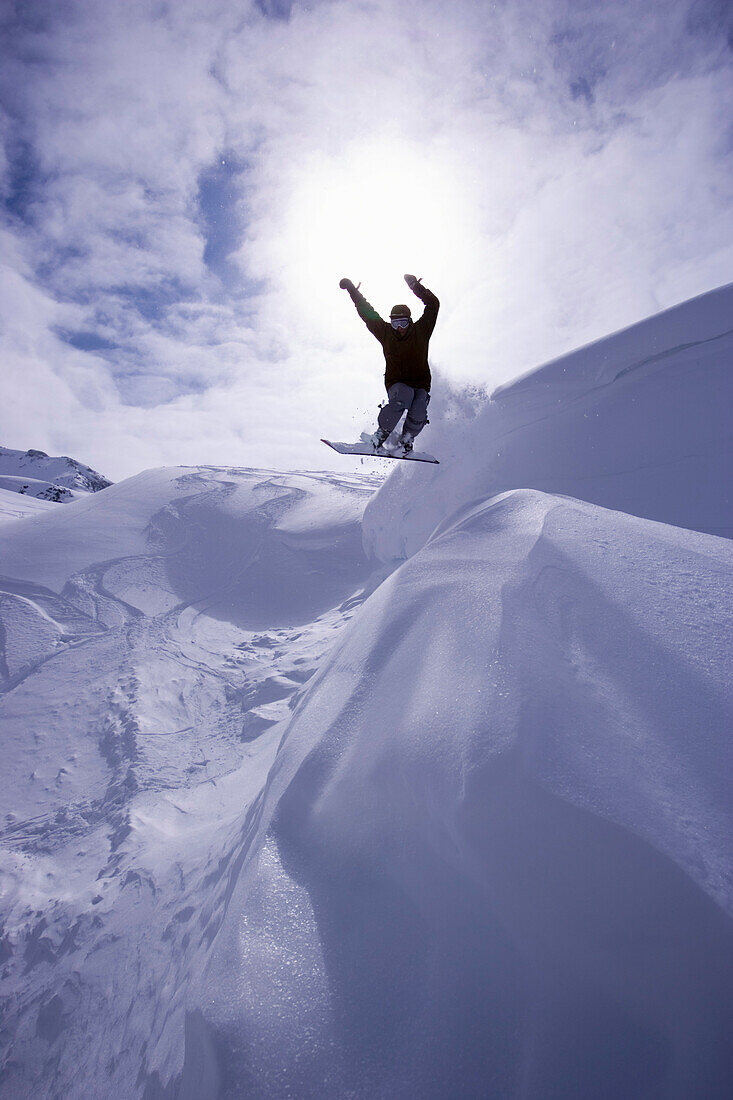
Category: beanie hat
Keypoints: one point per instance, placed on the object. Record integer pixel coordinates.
(400, 311)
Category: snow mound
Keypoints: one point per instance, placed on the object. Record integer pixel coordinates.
(253, 547)
(494, 854)
(638, 422)
(34, 474)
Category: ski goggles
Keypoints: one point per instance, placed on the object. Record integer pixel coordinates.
(399, 322)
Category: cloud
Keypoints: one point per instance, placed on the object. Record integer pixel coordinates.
(185, 183)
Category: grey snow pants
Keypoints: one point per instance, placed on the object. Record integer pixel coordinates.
(401, 398)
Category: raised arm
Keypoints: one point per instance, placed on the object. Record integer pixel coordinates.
(367, 312)
(432, 305)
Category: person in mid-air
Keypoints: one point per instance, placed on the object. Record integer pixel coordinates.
(407, 375)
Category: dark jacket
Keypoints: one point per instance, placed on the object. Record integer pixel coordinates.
(406, 356)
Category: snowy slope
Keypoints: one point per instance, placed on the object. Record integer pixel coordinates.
(640, 422)
(14, 505)
(153, 637)
(494, 855)
(34, 474)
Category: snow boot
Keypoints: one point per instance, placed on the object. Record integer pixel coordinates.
(378, 438)
(406, 443)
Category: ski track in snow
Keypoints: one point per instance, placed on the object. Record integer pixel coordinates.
(320, 785)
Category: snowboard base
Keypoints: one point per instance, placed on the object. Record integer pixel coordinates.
(368, 450)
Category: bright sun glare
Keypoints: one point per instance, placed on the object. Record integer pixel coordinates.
(379, 211)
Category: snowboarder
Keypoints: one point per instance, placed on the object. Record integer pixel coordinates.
(407, 375)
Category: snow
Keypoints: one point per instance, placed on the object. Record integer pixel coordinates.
(317, 785)
(145, 685)
(15, 506)
(34, 474)
(506, 806)
(41, 490)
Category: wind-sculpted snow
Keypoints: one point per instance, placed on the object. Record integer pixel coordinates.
(153, 639)
(494, 853)
(638, 422)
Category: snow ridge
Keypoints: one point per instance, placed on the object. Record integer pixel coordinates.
(476, 846)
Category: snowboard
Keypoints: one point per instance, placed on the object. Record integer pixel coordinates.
(368, 450)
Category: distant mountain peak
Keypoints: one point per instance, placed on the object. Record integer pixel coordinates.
(34, 473)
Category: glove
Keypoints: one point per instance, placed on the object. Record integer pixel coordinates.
(412, 281)
(346, 284)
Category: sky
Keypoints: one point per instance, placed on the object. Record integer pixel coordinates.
(183, 184)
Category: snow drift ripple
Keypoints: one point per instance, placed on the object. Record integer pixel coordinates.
(493, 856)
